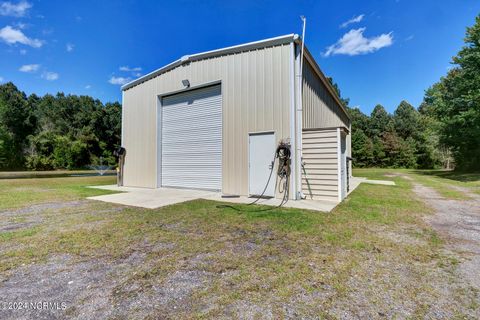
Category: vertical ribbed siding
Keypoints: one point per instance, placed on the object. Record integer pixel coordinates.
(320, 110)
(256, 97)
(320, 157)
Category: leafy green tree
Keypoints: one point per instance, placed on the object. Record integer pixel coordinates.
(406, 157)
(362, 149)
(69, 154)
(378, 152)
(56, 131)
(429, 149)
(39, 155)
(16, 118)
(380, 121)
(6, 143)
(360, 121)
(461, 112)
(455, 103)
(406, 120)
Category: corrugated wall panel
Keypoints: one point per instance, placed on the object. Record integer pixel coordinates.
(320, 172)
(320, 110)
(256, 97)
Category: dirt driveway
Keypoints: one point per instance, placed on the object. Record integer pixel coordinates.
(458, 221)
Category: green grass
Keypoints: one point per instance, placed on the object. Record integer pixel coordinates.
(48, 174)
(459, 179)
(16, 193)
(346, 227)
(293, 249)
(446, 183)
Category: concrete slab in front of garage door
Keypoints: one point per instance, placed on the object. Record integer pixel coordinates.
(156, 198)
(150, 198)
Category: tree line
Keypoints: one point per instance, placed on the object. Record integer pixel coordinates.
(444, 129)
(56, 131)
(406, 139)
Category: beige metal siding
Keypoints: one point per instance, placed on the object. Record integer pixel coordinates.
(256, 97)
(320, 170)
(320, 110)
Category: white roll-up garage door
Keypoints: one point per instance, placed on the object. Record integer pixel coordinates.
(191, 141)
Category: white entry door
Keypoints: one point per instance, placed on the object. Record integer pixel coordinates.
(261, 153)
(191, 141)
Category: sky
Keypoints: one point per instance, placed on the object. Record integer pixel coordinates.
(379, 52)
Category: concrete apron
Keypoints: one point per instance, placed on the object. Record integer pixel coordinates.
(156, 198)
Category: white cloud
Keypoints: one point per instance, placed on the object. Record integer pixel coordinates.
(353, 20)
(410, 37)
(14, 10)
(70, 47)
(12, 36)
(128, 69)
(1, 79)
(354, 43)
(119, 80)
(23, 52)
(50, 76)
(29, 68)
(88, 86)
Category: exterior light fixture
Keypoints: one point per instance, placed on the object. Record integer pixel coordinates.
(186, 83)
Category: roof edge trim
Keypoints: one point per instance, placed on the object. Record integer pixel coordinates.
(208, 54)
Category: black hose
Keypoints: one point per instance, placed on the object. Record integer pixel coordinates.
(268, 181)
(282, 152)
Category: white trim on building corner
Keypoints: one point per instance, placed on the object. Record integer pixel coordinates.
(122, 134)
(339, 166)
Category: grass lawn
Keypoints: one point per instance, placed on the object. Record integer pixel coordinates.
(22, 192)
(449, 184)
(373, 256)
(49, 174)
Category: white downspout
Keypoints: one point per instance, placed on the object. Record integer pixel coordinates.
(299, 112)
(293, 136)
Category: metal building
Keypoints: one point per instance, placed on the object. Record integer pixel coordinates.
(212, 120)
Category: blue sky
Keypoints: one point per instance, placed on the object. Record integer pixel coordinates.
(377, 51)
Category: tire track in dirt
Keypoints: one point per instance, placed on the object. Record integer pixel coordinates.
(458, 222)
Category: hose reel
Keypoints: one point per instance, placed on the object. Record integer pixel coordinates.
(283, 154)
(120, 153)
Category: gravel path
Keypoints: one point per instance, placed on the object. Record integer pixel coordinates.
(457, 221)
